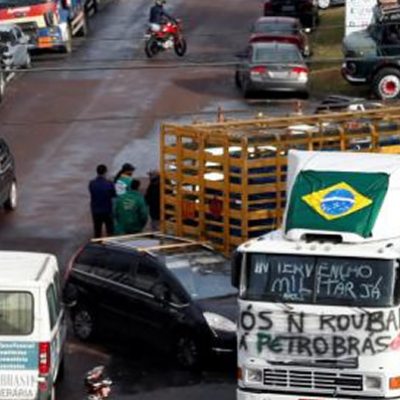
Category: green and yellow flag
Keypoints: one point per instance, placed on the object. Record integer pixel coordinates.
(336, 201)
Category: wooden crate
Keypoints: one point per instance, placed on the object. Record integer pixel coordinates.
(225, 182)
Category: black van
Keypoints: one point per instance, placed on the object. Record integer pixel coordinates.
(173, 293)
(8, 181)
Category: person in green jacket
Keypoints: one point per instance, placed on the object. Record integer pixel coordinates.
(130, 211)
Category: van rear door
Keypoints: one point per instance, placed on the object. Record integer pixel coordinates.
(18, 347)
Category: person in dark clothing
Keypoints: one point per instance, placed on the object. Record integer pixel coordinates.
(152, 198)
(101, 194)
(159, 16)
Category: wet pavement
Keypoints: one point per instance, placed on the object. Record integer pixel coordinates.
(61, 124)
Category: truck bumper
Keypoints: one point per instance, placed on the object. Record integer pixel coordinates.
(242, 394)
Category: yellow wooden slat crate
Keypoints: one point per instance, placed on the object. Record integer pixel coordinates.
(226, 181)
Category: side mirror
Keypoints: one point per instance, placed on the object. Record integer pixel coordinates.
(66, 3)
(161, 293)
(241, 55)
(236, 268)
(70, 296)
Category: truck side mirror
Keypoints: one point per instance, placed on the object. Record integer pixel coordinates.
(66, 3)
(236, 268)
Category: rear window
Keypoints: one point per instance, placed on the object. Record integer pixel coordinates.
(16, 313)
(274, 28)
(280, 55)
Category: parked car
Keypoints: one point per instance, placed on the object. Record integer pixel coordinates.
(280, 29)
(14, 47)
(2, 83)
(33, 328)
(372, 55)
(272, 67)
(8, 181)
(324, 4)
(173, 293)
(305, 10)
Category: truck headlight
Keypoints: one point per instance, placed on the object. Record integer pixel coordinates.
(373, 382)
(219, 323)
(254, 375)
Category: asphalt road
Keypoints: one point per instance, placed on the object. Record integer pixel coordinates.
(61, 124)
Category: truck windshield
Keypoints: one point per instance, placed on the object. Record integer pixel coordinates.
(320, 280)
(20, 3)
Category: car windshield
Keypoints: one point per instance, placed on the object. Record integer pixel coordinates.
(5, 37)
(282, 55)
(320, 280)
(203, 273)
(20, 3)
(274, 28)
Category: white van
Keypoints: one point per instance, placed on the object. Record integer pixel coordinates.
(32, 326)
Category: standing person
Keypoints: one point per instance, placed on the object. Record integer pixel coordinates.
(153, 199)
(123, 178)
(101, 194)
(130, 210)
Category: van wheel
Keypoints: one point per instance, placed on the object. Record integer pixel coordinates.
(83, 323)
(61, 370)
(187, 351)
(53, 393)
(12, 200)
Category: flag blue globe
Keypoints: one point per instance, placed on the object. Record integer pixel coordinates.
(337, 202)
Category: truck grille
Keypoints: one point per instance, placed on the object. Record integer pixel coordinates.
(330, 382)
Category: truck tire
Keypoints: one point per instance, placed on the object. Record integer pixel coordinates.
(386, 84)
(84, 29)
(2, 86)
(12, 198)
(67, 48)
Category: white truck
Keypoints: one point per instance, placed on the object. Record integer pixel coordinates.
(320, 298)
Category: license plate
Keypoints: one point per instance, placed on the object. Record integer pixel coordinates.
(279, 74)
(288, 8)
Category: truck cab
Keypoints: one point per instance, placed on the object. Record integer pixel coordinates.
(319, 298)
(372, 55)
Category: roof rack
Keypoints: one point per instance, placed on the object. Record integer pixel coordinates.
(184, 242)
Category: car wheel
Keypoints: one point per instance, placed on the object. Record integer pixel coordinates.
(83, 323)
(2, 86)
(12, 200)
(246, 90)
(324, 4)
(386, 84)
(187, 352)
(28, 62)
(238, 83)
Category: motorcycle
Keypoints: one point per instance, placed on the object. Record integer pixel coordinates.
(97, 385)
(169, 36)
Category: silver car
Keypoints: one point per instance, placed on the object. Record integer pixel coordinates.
(272, 67)
(13, 47)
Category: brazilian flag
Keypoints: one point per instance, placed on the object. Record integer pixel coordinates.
(336, 201)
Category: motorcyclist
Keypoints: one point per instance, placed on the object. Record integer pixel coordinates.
(158, 16)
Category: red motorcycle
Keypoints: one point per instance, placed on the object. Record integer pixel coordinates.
(169, 36)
